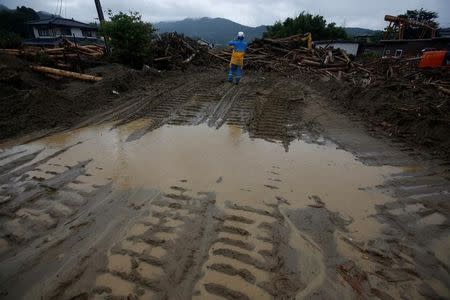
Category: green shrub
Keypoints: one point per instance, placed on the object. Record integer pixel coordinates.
(9, 40)
(129, 38)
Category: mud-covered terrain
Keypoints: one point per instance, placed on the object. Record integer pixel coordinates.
(200, 189)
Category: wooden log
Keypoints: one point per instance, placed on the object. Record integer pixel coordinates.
(62, 55)
(10, 51)
(217, 56)
(346, 56)
(443, 89)
(53, 50)
(334, 68)
(188, 60)
(63, 73)
(162, 58)
(311, 63)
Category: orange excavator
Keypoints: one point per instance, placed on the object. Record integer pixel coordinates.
(434, 60)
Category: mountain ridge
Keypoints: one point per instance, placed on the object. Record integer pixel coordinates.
(215, 30)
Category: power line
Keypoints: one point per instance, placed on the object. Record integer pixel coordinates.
(60, 7)
(56, 8)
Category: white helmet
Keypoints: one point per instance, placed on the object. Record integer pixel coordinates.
(240, 35)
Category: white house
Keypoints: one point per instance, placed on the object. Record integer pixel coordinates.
(56, 27)
(50, 31)
(349, 46)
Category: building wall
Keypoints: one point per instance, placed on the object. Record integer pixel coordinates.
(35, 32)
(350, 48)
(371, 49)
(413, 48)
(77, 32)
(55, 32)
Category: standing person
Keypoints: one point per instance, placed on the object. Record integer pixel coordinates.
(237, 57)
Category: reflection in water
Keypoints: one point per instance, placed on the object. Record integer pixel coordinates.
(253, 171)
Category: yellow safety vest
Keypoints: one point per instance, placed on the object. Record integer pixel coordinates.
(237, 58)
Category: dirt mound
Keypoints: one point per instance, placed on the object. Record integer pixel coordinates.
(409, 104)
(30, 101)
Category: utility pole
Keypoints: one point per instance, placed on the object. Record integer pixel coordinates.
(98, 5)
(101, 18)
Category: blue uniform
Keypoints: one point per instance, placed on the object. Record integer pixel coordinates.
(237, 59)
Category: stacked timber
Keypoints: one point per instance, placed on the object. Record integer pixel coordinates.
(66, 49)
(288, 54)
(174, 51)
(66, 56)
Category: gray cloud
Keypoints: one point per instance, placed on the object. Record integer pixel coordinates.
(354, 13)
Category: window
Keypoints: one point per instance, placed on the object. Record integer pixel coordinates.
(65, 31)
(398, 53)
(89, 33)
(45, 32)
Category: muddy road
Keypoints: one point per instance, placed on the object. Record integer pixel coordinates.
(199, 189)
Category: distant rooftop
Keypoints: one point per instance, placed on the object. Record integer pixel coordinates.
(62, 22)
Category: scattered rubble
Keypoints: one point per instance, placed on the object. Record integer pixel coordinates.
(399, 98)
(175, 51)
(31, 101)
(287, 55)
(392, 93)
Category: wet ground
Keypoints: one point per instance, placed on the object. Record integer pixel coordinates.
(210, 190)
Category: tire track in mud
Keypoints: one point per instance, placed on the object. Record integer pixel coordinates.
(274, 111)
(186, 247)
(267, 110)
(161, 254)
(184, 105)
(42, 204)
(218, 115)
(247, 259)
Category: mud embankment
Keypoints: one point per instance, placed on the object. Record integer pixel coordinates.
(418, 115)
(31, 102)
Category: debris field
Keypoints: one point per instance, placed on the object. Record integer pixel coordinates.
(319, 176)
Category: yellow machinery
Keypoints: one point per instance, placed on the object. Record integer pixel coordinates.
(307, 37)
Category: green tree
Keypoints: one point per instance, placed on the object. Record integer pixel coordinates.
(304, 23)
(9, 39)
(15, 20)
(14, 27)
(420, 15)
(129, 37)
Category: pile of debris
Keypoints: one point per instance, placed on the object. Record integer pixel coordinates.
(403, 71)
(62, 53)
(30, 102)
(175, 51)
(288, 54)
(399, 98)
(62, 60)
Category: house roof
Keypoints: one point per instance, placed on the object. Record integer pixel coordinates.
(62, 22)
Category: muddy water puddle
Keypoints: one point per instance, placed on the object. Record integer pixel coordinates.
(225, 161)
(246, 176)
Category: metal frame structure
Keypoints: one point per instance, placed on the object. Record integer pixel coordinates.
(400, 24)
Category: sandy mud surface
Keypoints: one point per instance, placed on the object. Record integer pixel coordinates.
(215, 191)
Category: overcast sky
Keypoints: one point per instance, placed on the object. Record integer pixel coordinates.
(349, 13)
